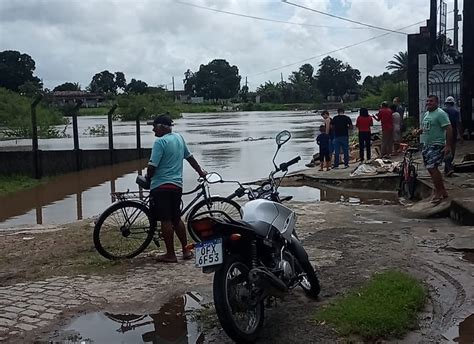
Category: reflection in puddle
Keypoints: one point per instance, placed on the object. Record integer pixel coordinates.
(463, 333)
(352, 197)
(301, 194)
(173, 323)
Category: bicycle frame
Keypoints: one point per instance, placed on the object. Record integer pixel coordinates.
(139, 196)
(407, 162)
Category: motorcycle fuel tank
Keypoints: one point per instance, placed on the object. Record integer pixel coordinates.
(271, 214)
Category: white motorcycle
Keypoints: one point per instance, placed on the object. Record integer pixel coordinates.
(254, 259)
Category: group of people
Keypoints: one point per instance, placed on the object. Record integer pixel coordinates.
(333, 135)
(439, 134)
(439, 129)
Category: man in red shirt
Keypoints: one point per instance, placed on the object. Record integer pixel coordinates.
(385, 117)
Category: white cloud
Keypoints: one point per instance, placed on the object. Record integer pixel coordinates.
(155, 40)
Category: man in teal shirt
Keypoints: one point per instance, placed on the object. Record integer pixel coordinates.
(165, 172)
(436, 138)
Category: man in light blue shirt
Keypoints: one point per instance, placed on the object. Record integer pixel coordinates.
(165, 172)
(437, 138)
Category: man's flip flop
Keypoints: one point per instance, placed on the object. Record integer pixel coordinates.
(163, 259)
(188, 255)
(436, 200)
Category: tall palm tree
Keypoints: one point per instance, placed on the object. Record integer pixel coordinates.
(399, 63)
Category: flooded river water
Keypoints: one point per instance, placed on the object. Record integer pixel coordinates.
(238, 145)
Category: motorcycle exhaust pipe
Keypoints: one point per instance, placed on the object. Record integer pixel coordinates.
(267, 281)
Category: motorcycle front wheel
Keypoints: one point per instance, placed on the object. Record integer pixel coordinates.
(310, 282)
(238, 308)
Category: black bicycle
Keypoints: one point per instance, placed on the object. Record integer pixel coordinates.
(127, 227)
(408, 174)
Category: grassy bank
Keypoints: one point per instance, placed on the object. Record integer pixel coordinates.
(13, 183)
(386, 306)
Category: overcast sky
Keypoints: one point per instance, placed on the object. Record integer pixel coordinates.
(154, 40)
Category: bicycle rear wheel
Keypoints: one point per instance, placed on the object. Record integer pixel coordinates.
(205, 208)
(410, 182)
(124, 230)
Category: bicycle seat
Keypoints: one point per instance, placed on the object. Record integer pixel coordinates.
(412, 150)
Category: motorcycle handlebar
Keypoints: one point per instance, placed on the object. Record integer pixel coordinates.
(284, 165)
(237, 193)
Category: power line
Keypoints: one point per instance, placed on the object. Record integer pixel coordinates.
(267, 19)
(333, 51)
(342, 18)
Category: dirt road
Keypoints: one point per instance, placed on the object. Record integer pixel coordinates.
(347, 243)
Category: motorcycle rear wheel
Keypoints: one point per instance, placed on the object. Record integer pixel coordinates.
(233, 298)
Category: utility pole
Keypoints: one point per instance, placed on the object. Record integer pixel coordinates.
(246, 82)
(432, 27)
(456, 25)
(174, 97)
(281, 75)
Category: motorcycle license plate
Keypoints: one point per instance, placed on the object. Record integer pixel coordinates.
(209, 253)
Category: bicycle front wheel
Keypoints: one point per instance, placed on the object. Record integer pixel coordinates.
(124, 230)
(213, 207)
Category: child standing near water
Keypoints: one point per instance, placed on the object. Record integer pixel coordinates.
(324, 154)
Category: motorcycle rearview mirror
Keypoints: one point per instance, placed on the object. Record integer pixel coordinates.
(282, 137)
(213, 177)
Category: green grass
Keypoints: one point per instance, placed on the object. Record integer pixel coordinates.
(386, 306)
(100, 111)
(13, 183)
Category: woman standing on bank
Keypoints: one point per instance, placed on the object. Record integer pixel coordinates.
(363, 123)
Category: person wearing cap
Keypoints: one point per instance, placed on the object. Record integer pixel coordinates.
(384, 116)
(455, 119)
(437, 137)
(165, 172)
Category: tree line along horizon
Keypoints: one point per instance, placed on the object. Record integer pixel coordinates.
(218, 80)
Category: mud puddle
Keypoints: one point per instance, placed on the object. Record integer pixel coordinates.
(463, 333)
(174, 322)
(354, 197)
(468, 256)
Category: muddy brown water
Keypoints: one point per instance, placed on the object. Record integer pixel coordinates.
(462, 333)
(174, 322)
(238, 145)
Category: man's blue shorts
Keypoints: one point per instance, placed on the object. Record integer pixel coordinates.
(432, 155)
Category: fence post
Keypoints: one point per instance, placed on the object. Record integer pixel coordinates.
(111, 134)
(75, 134)
(139, 141)
(34, 143)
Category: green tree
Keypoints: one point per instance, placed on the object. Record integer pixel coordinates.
(399, 65)
(15, 117)
(216, 80)
(30, 88)
(189, 82)
(16, 69)
(120, 81)
(106, 82)
(303, 85)
(244, 93)
(136, 86)
(68, 86)
(335, 77)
